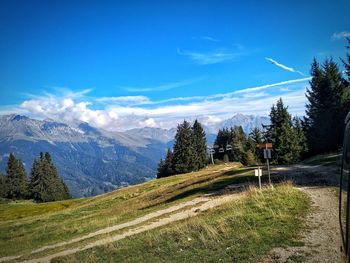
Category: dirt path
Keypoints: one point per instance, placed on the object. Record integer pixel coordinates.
(119, 226)
(322, 240)
(208, 204)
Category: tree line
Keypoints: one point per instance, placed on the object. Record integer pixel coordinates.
(235, 146)
(44, 184)
(321, 130)
(189, 152)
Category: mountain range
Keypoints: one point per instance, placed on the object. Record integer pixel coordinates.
(94, 161)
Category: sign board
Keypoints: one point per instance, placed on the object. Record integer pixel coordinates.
(258, 172)
(264, 145)
(267, 153)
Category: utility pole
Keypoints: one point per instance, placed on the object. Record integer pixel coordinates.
(211, 152)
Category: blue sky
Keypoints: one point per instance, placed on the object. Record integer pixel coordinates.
(129, 64)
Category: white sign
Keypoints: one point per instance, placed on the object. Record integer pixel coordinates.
(258, 172)
(267, 153)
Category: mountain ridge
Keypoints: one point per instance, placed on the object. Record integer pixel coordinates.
(92, 160)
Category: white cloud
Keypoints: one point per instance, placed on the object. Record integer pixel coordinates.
(210, 39)
(339, 35)
(209, 57)
(163, 87)
(284, 67)
(126, 112)
(124, 100)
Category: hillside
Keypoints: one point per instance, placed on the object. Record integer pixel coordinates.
(94, 161)
(196, 206)
(91, 161)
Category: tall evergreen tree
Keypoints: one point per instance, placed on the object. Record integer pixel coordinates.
(256, 136)
(161, 168)
(45, 184)
(282, 135)
(3, 187)
(165, 167)
(168, 163)
(184, 154)
(328, 103)
(200, 146)
(222, 139)
(301, 147)
(239, 140)
(16, 179)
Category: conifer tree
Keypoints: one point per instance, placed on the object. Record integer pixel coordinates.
(45, 184)
(161, 168)
(222, 139)
(328, 103)
(184, 154)
(239, 141)
(16, 179)
(256, 137)
(37, 186)
(301, 147)
(168, 163)
(3, 187)
(200, 146)
(282, 135)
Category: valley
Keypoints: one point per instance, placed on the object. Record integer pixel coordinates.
(93, 161)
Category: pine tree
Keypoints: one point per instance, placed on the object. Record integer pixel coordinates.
(16, 179)
(239, 140)
(168, 163)
(45, 184)
(161, 168)
(37, 187)
(3, 186)
(222, 139)
(301, 147)
(256, 136)
(184, 154)
(282, 135)
(328, 103)
(200, 146)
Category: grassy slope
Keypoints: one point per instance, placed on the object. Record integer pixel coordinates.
(25, 226)
(241, 231)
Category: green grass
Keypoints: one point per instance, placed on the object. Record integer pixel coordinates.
(13, 210)
(25, 226)
(324, 159)
(240, 231)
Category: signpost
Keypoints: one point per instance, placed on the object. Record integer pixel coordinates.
(267, 155)
(264, 145)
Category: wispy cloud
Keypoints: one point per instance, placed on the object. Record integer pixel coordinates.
(209, 38)
(126, 112)
(209, 57)
(282, 83)
(284, 66)
(124, 100)
(339, 35)
(163, 87)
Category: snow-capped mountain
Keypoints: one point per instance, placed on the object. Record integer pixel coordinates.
(248, 122)
(92, 160)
